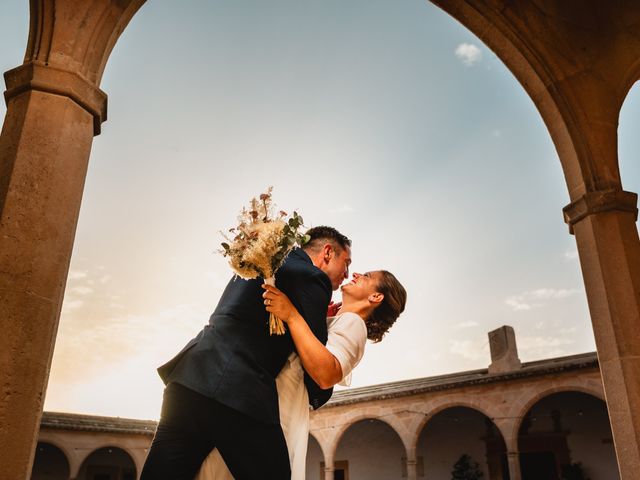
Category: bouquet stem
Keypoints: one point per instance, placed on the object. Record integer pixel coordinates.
(276, 326)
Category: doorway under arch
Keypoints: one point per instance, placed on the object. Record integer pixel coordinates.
(108, 463)
(370, 448)
(458, 431)
(50, 463)
(565, 433)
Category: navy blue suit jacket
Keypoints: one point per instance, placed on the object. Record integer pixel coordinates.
(234, 360)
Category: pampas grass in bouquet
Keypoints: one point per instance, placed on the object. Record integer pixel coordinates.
(259, 244)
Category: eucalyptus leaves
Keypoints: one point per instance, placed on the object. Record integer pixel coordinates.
(261, 242)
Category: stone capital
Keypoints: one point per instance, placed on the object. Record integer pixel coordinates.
(36, 76)
(599, 202)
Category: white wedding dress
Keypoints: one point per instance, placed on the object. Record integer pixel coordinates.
(347, 336)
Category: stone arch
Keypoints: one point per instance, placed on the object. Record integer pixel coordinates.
(125, 457)
(628, 158)
(43, 454)
(520, 409)
(355, 418)
(555, 84)
(445, 404)
(359, 457)
(59, 445)
(472, 432)
(311, 434)
(589, 163)
(519, 57)
(631, 79)
(89, 50)
(563, 429)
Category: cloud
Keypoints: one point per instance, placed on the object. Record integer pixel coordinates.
(82, 290)
(468, 53)
(469, 350)
(571, 255)
(468, 324)
(343, 209)
(538, 298)
(568, 330)
(67, 306)
(543, 347)
(76, 275)
(93, 344)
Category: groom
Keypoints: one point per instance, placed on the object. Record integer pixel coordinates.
(221, 389)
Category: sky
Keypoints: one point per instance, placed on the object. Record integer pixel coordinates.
(387, 120)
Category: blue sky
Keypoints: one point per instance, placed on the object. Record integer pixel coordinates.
(391, 122)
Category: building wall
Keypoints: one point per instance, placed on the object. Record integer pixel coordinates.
(436, 426)
(79, 445)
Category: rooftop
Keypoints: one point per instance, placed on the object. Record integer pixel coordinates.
(93, 423)
(461, 379)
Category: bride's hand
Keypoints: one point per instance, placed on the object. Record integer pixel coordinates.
(333, 308)
(278, 303)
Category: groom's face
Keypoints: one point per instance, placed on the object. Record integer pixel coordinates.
(337, 266)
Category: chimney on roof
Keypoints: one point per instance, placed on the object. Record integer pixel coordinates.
(504, 352)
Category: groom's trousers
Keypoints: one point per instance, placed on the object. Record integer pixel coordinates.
(192, 425)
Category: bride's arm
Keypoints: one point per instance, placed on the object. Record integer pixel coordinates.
(323, 367)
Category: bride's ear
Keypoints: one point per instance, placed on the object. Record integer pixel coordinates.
(376, 298)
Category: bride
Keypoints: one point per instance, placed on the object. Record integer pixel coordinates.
(371, 303)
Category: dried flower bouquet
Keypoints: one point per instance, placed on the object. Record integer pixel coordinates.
(261, 242)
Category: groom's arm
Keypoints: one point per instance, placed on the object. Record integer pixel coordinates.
(310, 294)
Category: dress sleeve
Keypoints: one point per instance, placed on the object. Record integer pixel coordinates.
(346, 342)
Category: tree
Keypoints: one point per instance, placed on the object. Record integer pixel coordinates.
(573, 471)
(466, 469)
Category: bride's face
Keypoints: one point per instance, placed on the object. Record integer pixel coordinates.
(361, 286)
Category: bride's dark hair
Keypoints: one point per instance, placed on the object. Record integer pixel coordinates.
(385, 314)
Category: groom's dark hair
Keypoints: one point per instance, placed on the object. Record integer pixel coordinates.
(318, 236)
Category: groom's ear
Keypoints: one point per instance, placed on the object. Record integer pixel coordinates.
(376, 298)
(327, 252)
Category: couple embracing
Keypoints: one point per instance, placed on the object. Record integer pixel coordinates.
(236, 402)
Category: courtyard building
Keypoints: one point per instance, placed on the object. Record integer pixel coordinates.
(537, 420)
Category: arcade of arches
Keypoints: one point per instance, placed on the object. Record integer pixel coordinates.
(576, 59)
(538, 420)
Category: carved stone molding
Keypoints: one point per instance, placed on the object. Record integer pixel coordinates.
(35, 76)
(600, 202)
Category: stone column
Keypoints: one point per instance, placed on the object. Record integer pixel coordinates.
(54, 108)
(412, 468)
(411, 460)
(513, 460)
(604, 224)
(328, 469)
